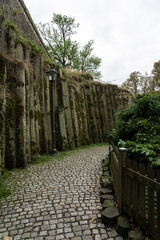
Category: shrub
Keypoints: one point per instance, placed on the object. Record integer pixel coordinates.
(138, 128)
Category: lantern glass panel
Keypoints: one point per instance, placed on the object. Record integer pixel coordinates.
(50, 77)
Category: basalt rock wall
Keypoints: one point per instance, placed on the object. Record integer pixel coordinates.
(84, 109)
(25, 118)
(17, 12)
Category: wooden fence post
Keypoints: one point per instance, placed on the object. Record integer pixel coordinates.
(122, 162)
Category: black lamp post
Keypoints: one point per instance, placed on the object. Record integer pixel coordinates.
(52, 76)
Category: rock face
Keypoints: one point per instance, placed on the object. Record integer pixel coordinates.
(25, 113)
(17, 12)
(84, 109)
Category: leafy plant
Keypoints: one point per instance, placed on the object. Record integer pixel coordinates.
(138, 128)
(66, 52)
(138, 151)
(4, 191)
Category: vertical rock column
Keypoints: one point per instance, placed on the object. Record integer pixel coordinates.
(32, 114)
(61, 135)
(34, 107)
(2, 112)
(104, 114)
(78, 110)
(109, 108)
(47, 113)
(10, 123)
(92, 113)
(11, 37)
(2, 34)
(67, 111)
(98, 106)
(84, 118)
(88, 112)
(74, 117)
(40, 103)
(27, 90)
(36, 103)
(21, 133)
(46, 131)
(10, 117)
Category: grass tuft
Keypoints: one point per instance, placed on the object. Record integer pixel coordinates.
(4, 191)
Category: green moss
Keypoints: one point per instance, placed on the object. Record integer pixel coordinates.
(2, 17)
(41, 159)
(29, 44)
(4, 190)
(48, 60)
(10, 24)
(16, 11)
(77, 76)
(23, 40)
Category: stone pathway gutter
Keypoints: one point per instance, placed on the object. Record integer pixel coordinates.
(59, 199)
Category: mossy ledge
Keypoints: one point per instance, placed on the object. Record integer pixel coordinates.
(24, 40)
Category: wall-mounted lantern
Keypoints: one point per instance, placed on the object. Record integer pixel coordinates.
(52, 76)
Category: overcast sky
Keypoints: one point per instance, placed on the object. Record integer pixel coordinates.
(126, 32)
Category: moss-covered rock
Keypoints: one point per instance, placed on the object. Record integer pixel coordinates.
(135, 235)
(123, 226)
(109, 216)
(108, 203)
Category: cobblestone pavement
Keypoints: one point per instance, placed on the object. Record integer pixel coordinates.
(58, 199)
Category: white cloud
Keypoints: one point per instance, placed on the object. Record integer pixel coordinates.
(126, 32)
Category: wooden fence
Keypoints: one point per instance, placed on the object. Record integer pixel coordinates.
(137, 188)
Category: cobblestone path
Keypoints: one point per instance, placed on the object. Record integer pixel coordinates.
(58, 199)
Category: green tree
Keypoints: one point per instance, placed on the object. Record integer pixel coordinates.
(133, 82)
(89, 62)
(139, 83)
(57, 35)
(156, 76)
(66, 52)
(146, 82)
